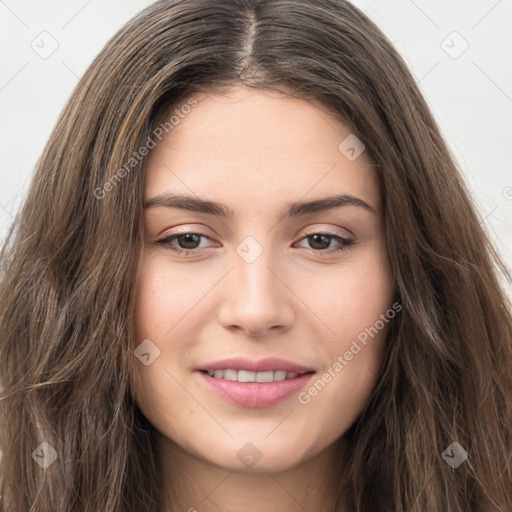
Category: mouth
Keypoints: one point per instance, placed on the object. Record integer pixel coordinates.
(248, 376)
(253, 384)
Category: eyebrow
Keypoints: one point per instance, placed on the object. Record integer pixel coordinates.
(295, 209)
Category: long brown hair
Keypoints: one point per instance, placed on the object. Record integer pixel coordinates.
(69, 269)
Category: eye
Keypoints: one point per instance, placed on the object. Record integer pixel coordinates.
(190, 243)
(187, 243)
(320, 242)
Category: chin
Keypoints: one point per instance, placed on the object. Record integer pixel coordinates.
(252, 455)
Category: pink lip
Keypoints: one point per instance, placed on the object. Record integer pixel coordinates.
(255, 394)
(264, 365)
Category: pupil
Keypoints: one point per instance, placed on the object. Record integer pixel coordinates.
(189, 238)
(316, 239)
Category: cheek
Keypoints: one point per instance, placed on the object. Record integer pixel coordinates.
(148, 296)
(370, 290)
(352, 296)
(166, 300)
(358, 310)
(158, 307)
(340, 391)
(162, 298)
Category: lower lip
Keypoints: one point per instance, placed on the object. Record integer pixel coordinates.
(255, 394)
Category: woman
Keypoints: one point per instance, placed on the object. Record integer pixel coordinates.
(323, 331)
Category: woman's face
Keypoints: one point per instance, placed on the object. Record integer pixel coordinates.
(278, 282)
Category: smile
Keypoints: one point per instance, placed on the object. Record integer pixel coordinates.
(247, 383)
(247, 376)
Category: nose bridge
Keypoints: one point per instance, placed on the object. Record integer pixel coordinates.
(253, 278)
(256, 299)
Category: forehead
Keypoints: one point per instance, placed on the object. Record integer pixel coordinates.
(251, 145)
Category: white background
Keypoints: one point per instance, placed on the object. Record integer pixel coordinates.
(470, 95)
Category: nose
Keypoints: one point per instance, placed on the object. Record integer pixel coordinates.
(257, 298)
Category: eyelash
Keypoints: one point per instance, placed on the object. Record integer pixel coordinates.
(345, 242)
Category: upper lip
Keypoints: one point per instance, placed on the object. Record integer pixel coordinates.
(262, 365)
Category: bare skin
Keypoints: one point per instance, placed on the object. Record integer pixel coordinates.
(300, 299)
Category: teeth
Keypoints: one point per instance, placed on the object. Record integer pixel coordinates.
(246, 376)
(280, 375)
(230, 375)
(265, 377)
